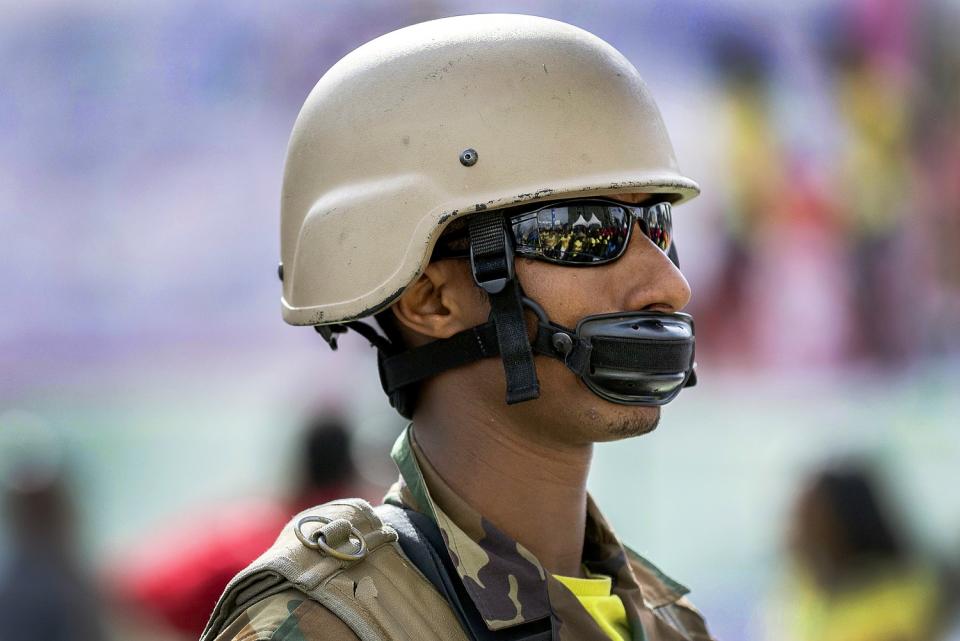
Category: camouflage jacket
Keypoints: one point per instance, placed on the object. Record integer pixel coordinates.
(503, 579)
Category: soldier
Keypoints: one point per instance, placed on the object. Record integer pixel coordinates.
(417, 171)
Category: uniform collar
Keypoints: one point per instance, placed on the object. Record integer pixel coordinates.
(505, 581)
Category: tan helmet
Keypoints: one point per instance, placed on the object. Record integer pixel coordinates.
(444, 119)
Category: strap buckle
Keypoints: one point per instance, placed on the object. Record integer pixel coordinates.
(491, 254)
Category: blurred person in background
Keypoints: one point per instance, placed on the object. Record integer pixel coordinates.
(755, 181)
(175, 578)
(855, 574)
(465, 181)
(781, 242)
(935, 164)
(868, 57)
(45, 594)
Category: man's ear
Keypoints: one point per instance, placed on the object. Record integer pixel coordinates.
(441, 302)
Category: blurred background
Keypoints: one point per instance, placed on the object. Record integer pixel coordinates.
(155, 412)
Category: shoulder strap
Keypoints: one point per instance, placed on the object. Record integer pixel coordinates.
(422, 543)
(414, 544)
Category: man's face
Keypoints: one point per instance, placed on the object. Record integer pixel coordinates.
(643, 279)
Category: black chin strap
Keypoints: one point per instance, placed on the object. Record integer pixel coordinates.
(397, 371)
(491, 259)
(400, 370)
(406, 368)
(504, 334)
(580, 354)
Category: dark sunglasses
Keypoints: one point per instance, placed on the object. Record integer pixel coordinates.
(585, 231)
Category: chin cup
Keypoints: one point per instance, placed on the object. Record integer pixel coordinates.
(631, 358)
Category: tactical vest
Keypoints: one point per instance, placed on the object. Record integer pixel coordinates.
(346, 564)
(385, 573)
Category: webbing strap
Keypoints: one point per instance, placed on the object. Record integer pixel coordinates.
(518, 367)
(479, 342)
(649, 356)
(491, 259)
(413, 366)
(421, 541)
(491, 256)
(400, 370)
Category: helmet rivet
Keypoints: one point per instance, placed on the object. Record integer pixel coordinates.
(562, 343)
(468, 157)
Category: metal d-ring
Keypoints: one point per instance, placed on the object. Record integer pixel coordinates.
(316, 540)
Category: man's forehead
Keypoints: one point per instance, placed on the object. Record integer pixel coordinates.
(630, 198)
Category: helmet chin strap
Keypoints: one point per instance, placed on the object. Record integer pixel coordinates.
(491, 260)
(630, 358)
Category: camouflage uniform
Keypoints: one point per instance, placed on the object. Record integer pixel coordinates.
(504, 580)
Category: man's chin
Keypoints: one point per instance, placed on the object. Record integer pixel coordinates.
(614, 422)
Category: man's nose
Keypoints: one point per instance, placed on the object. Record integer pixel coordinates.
(654, 283)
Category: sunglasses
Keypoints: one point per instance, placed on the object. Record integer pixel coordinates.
(580, 232)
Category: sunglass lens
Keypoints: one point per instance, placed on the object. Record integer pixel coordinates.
(657, 225)
(575, 233)
(589, 232)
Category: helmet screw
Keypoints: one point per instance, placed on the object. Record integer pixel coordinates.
(562, 343)
(468, 157)
(280, 271)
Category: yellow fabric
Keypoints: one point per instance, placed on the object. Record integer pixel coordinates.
(894, 605)
(605, 608)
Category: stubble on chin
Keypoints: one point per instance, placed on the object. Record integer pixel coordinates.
(621, 424)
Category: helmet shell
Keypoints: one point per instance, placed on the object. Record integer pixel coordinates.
(374, 168)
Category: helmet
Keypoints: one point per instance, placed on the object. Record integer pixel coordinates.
(451, 118)
(380, 157)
